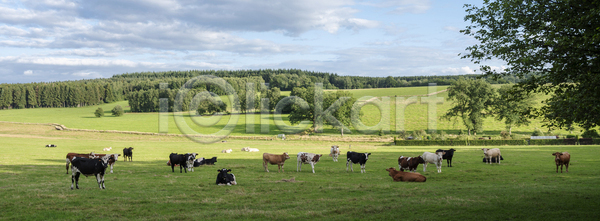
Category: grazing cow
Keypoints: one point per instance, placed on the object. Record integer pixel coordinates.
(360, 158)
(111, 161)
(409, 163)
(334, 152)
(128, 153)
(210, 161)
(226, 151)
(401, 176)
(448, 154)
(489, 153)
(50, 145)
(89, 167)
(435, 158)
(274, 159)
(307, 158)
(180, 159)
(562, 159)
(225, 178)
(107, 149)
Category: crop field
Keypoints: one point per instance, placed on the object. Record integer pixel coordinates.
(525, 186)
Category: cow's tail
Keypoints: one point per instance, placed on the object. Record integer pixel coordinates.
(67, 166)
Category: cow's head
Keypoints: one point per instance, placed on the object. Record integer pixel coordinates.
(485, 150)
(286, 155)
(317, 157)
(367, 156)
(420, 160)
(557, 156)
(451, 150)
(223, 175)
(392, 171)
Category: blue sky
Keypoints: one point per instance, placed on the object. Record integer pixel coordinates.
(57, 40)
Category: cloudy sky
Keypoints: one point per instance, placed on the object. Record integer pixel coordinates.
(56, 40)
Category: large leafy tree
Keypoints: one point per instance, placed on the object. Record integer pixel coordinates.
(341, 111)
(472, 100)
(553, 44)
(512, 106)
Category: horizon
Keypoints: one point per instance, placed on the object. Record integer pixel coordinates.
(71, 40)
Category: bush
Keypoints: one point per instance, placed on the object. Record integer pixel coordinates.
(402, 134)
(590, 134)
(117, 111)
(381, 133)
(419, 134)
(99, 112)
(537, 132)
(504, 135)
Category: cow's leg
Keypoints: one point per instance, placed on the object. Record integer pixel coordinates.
(73, 180)
(111, 168)
(567, 167)
(298, 166)
(313, 167)
(173, 167)
(561, 166)
(498, 158)
(556, 168)
(347, 165)
(424, 166)
(68, 162)
(77, 179)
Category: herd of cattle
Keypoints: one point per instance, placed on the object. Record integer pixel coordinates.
(96, 164)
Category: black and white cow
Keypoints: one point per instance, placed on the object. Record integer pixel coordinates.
(88, 167)
(225, 178)
(354, 157)
(128, 153)
(181, 159)
(448, 154)
(50, 145)
(307, 158)
(210, 161)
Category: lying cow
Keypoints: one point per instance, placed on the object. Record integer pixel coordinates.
(181, 160)
(88, 167)
(448, 154)
(50, 145)
(360, 158)
(409, 163)
(307, 158)
(334, 153)
(210, 161)
(128, 153)
(248, 149)
(400, 176)
(226, 151)
(225, 178)
(562, 159)
(274, 159)
(435, 158)
(107, 149)
(489, 153)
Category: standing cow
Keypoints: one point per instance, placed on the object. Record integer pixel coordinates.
(128, 153)
(334, 153)
(307, 158)
(409, 163)
(360, 158)
(274, 159)
(435, 158)
(448, 154)
(489, 153)
(562, 159)
(88, 167)
(182, 160)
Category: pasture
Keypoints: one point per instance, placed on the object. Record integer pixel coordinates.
(524, 186)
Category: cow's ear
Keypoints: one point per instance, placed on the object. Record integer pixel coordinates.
(229, 170)
(219, 171)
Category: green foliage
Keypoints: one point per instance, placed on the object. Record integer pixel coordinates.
(342, 114)
(419, 134)
(472, 100)
(381, 133)
(457, 142)
(99, 112)
(590, 134)
(403, 134)
(537, 132)
(117, 111)
(512, 105)
(504, 135)
(553, 44)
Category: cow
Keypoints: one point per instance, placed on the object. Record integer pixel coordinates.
(226, 151)
(435, 158)
(307, 158)
(190, 163)
(128, 153)
(334, 152)
(50, 145)
(111, 161)
(180, 159)
(354, 157)
(88, 167)
(107, 149)
(248, 149)
(274, 159)
(199, 161)
(409, 163)
(448, 154)
(70, 157)
(225, 178)
(210, 161)
(489, 153)
(401, 176)
(562, 159)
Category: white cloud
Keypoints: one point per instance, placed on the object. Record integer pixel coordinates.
(28, 72)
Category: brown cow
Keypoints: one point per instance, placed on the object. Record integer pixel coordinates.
(562, 159)
(111, 161)
(409, 163)
(405, 176)
(275, 159)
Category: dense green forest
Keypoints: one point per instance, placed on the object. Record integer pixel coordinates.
(143, 89)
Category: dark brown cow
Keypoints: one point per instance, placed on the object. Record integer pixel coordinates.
(562, 159)
(400, 176)
(409, 163)
(275, 159)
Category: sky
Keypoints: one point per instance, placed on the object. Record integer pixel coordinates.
(58, 40)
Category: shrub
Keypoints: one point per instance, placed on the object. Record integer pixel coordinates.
(590, 134)
(117, 111)
(537, 132)
(402, 134)
(504, 135)
(381, 133)
(419, 134)
(99, 112)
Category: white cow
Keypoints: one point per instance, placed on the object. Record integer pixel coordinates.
(107, 149)
(226, 151)
(489, 153)
(435, 158)
(248, 149)
(334, 153)
(307, 158)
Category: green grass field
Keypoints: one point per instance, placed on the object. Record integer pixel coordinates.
(524, 186)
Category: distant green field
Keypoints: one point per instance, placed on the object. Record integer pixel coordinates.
(524, 186)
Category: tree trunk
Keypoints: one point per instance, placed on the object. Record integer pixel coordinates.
(510, 131)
